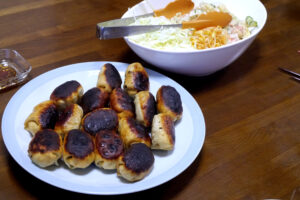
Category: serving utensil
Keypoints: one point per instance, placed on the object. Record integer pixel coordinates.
(120, 27)
(294, 75)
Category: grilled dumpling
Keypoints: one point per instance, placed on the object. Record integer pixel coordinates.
(43, 116)
(100, 119)
(94, 98)
(169, 102)
(108, 149)
(136, 79)
(67, 93)
(163, 132)
(78, 151)
(145, 107)
(136, 162)
(122, 103)
(68, 119)
(45, 148)
(109, 78)
(133, 132)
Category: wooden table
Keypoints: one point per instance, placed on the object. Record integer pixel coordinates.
(252, 111)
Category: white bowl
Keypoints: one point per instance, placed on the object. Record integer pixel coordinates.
(200, 62)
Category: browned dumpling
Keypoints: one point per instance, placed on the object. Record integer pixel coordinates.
(68, 119)
(136, 79)
(169, 102)
(94, 98)
(133, 132)
(122, 103)
(67, 93)
(109, 78)
(109, 147)
(136, 162)
(100, 119)
(78, 151)
(145, 107)
(43, 116)
(45, 148)
(162, 132)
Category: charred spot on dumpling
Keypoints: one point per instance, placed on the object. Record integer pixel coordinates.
(109, 144)
(133, 132)
(109, 78)
(94, 98)
(168, 126)
(43, 116)
(48, 117)
(100, 119)
(171, 98)
(45, 148)
(68, 119)
(65, 90)
(169, 102)
(64, 115)
(136, 79)
(45, 140)
(112, 75)
(141, 81)
(79, 144)
(151, 108)
(138, 158)
(120, 101)
(145, 107)
(138, 129)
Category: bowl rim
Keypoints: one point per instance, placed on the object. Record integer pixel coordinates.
(208, 49)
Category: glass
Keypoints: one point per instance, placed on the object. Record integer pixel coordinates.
(13, 68)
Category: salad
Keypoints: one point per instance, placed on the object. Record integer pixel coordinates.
(190, 39)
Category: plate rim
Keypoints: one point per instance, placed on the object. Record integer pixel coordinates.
(165, 177)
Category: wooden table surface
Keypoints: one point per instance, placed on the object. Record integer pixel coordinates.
(251, 109)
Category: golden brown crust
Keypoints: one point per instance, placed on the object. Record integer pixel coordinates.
(67, 93)
(109, 147)
(122, 103)
(169, 102)
(136, 79)
(145, 107)
(45, 148)
(133, 132)
(109, 78)
(136, 162)
(78, 149)
(43, 116)
(163, 132)
(100, 119)
(68, 119)
(94, 98)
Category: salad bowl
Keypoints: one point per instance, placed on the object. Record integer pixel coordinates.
(205, 61)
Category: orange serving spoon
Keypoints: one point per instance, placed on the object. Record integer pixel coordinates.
(209, 19)
(183, 6)
(203, 21)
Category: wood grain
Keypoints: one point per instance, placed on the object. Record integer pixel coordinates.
(252, 110)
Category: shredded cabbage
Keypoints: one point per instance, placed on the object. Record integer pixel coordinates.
(164, 39)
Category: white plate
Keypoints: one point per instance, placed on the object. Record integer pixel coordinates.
(189, 133)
